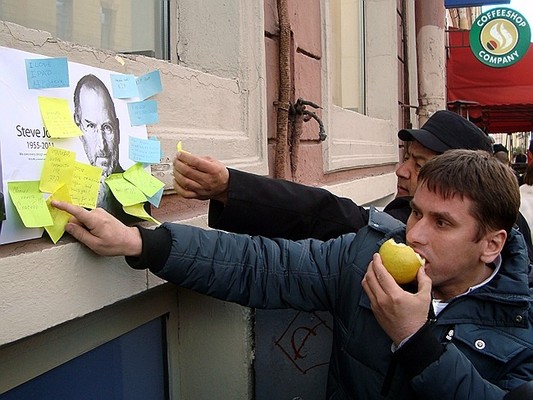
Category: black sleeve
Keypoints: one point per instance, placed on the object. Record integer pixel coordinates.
(269, 207)
(156, 248)
(419, 351)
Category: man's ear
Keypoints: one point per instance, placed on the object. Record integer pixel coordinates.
(493, 245)
(77, 119)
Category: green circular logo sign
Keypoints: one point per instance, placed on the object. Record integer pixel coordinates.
(500, 37)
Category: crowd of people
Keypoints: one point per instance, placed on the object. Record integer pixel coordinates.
(462, 330)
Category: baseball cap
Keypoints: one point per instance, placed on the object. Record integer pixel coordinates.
(498, 147)
(447, 130)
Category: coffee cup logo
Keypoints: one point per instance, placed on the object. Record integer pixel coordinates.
(500, 37)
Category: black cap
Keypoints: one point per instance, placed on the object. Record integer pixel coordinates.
(498, 147)
(447, 130)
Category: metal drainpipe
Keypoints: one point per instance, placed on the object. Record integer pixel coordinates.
(430, 18)
(283, 103)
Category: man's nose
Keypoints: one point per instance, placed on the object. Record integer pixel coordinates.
(100, 141)
(403, 170)
(416, 233)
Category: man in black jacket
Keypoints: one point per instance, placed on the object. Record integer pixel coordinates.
(247, 203)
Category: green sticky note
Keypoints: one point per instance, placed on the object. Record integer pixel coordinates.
(125, 192)
(29, 203)
(57, 117)
(148, 184)
(85, 185)
(138, 211)
(57, 169)
(59, 217)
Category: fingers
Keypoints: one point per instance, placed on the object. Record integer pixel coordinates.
(378, 279)
(424, 282)
(101, 232)
(199, 177)
(80, 215)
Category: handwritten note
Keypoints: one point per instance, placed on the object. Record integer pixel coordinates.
(149, 84)
(144, 150)
(59, 217)
(138, 176)
(57, 117)
(124, 86)
(138, 211)
(125, 192)
(57, 169)
(29, 203)
(44, 73)
(85, 185)
(143, 112)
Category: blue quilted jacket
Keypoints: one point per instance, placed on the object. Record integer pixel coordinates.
(479, 347)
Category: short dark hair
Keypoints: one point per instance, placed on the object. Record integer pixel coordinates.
(477, 175)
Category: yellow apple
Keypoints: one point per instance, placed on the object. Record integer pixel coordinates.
(400, 260)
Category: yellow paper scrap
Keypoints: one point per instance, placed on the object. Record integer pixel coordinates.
(138, 211)
(125, 192)
(85, 185)
(59, 217)
(57, 117)
(148, 184)
(57, 169)
(179, 147)
(30, 204)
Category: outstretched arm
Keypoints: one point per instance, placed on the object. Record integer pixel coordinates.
(257, 205)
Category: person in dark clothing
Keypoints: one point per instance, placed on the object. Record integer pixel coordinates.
(476, 341)
(242, 202)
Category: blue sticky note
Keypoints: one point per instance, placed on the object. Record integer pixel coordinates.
(149, 84)
(156, 198)
(44, 73)
(145, 150)
(143, 112)
(124, 86)
(155, 138)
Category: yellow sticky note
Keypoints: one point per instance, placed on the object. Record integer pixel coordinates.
(148, 184)
(85, 185)
(125, 192)
(57, 169)
(59, 217)
(57, 117)
(138, 211)
(179, 147)
(30, 204)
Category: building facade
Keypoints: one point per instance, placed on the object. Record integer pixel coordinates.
(229, 70)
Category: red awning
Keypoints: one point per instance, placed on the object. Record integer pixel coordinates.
(499, 100)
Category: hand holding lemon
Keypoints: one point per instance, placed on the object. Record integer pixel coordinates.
(400, 260)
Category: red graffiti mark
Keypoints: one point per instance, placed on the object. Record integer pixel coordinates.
(301, 340)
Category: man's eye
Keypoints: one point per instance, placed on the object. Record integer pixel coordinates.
(91, 125)
(441, 223)
(107, 129)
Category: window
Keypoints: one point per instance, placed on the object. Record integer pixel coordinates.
(347, 54)
(361, 88)
(123, 26)
(132, 366)
(128, 350)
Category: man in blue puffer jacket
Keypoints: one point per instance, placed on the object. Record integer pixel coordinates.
(463, 330)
